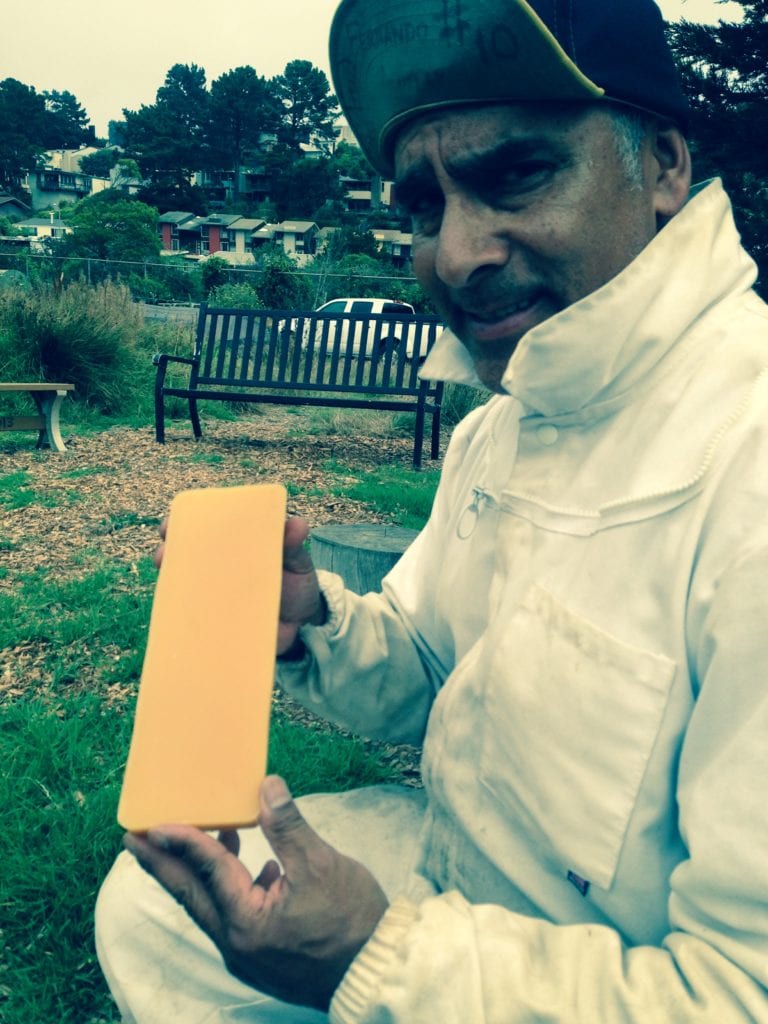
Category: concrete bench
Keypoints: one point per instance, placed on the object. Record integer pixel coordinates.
(48, 398)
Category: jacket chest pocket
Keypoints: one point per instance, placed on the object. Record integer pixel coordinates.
(570, 717)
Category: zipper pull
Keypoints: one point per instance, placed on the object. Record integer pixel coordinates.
(468, 518)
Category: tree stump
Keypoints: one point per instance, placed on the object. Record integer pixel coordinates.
(362, 554)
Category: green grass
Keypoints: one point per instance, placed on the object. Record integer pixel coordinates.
(393, 490)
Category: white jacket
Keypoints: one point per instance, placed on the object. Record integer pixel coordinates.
(580, 637)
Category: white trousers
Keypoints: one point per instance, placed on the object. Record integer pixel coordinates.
(161, 967)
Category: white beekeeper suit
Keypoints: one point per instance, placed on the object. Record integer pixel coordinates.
(579, 638)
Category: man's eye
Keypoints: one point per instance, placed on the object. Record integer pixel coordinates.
(521, 178)
(424, 210)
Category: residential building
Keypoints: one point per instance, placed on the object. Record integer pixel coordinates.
(297, 236)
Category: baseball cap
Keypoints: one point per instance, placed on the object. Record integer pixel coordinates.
(394, 59)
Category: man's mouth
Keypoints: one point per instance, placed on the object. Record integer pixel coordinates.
(504, 321)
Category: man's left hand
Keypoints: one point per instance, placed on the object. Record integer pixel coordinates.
(290, 933)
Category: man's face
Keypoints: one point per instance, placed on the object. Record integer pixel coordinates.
(518, 212)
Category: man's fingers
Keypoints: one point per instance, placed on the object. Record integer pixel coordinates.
(296, 558)
(285, 829)
(200, 873)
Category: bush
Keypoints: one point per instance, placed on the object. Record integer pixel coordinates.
(239, 296)
(87, 336)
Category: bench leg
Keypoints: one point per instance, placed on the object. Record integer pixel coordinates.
(195, 418)
(48, 404)
(159, 415)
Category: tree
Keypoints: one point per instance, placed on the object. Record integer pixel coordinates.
(309, 106)
(111, 226)
(168, 138)
(67, 124)
(243, 106)
(23, 119)
(352, 239)
(100, 163)
(351, 162)
(725, 73)
(302, 187)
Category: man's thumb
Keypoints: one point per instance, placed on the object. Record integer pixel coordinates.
(281, 821)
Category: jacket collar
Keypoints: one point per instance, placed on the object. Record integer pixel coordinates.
(602, 345)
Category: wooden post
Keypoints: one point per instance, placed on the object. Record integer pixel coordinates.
(361, 553)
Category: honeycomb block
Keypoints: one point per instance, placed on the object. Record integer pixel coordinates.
(198, 751)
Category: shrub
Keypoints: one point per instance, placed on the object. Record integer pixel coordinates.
(240, 296)
(82, 334)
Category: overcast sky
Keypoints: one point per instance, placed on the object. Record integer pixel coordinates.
(114, 55)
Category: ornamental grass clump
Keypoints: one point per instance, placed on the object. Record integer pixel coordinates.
(84, 335)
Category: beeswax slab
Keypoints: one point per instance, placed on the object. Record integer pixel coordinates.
(198, 751)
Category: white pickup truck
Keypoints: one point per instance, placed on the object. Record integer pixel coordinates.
(411, 339)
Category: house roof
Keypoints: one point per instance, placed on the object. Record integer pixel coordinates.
(9, 200)
(41, 222)
(247, 224)
(298, 227)
(175, 217)
(220, 219)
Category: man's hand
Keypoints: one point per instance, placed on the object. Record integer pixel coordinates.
(291, 935)
(300, 601)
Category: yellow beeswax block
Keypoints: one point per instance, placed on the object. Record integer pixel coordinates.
(198, 751)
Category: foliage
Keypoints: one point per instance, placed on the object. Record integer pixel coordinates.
(66, 123)
(22, 140)
(214, 272)
(87, 336)
(352, 239)
(111, 226)
(167, 138)
(243, 106)
(725, 74)
(351, 162)
(303, 186)
(279, 287)
(309, 107)
(239, 296)
(100, 163)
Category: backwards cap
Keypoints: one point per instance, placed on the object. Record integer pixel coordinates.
(394, 59)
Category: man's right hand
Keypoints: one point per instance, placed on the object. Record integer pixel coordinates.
(301, 601)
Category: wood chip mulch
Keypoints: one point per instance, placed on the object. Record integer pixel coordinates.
(110, 491)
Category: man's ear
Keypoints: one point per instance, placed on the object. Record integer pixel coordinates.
(672, 168)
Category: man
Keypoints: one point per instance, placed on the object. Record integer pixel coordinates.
(578, 634)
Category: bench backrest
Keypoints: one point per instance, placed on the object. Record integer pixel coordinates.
(312, 351)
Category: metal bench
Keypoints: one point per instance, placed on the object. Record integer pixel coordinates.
(48, 399)
(281, 357)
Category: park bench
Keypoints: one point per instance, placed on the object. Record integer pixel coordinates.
(287, 358)
(48, 398)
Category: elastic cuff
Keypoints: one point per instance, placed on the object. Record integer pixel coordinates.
(363, 979)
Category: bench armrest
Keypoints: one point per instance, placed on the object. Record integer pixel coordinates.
(163, 358)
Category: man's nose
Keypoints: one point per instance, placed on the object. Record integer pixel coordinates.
(469, 241)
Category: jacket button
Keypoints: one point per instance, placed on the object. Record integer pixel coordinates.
(547, 434)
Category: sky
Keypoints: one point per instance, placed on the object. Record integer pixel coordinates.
(113, 55)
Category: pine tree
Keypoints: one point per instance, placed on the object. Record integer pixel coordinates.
(725, 73)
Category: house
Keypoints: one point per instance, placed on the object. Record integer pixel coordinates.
(396, 244)
(297, 236)
(61, 180)
(169, 226)
(367, 194)
(38, 229)
(214, 231)
(240, 234)
(10, 206)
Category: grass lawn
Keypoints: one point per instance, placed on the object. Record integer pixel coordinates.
(76, 535)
